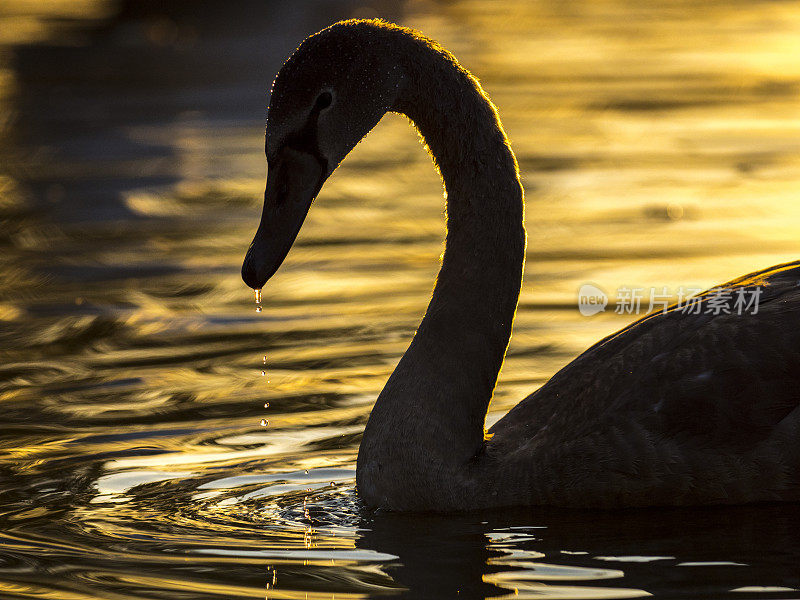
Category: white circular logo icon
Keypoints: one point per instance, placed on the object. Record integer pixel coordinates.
(591, 300)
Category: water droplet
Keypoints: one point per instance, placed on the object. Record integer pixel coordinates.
(306, 471)
(258, 299)
(264, 422)
(263, 373)
(264, 360)
(266, 404)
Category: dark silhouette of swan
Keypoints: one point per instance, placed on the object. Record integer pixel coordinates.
(675, 409)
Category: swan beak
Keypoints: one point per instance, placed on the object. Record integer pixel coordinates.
(293, 181)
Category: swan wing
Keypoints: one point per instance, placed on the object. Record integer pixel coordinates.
(696, 404)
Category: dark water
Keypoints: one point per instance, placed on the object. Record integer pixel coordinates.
(659, 145)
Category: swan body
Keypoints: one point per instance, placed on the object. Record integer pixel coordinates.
(675, 409)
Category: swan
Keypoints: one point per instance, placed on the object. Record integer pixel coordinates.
(674, 409)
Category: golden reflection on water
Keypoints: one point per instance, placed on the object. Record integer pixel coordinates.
(659, 145)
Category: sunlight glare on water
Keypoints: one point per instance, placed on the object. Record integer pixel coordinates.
(658, 143)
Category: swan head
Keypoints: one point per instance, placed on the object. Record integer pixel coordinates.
(330, 93)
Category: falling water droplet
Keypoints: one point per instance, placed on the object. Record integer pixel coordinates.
(263, 373)
(306, 471)
(264, 422)
(258, 299)
(266, 404)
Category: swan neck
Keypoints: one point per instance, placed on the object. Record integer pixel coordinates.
(432, 411)
(467, 326)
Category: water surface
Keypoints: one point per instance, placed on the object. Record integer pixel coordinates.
(659, 145)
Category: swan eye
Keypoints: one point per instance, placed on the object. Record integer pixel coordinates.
(324, 100)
